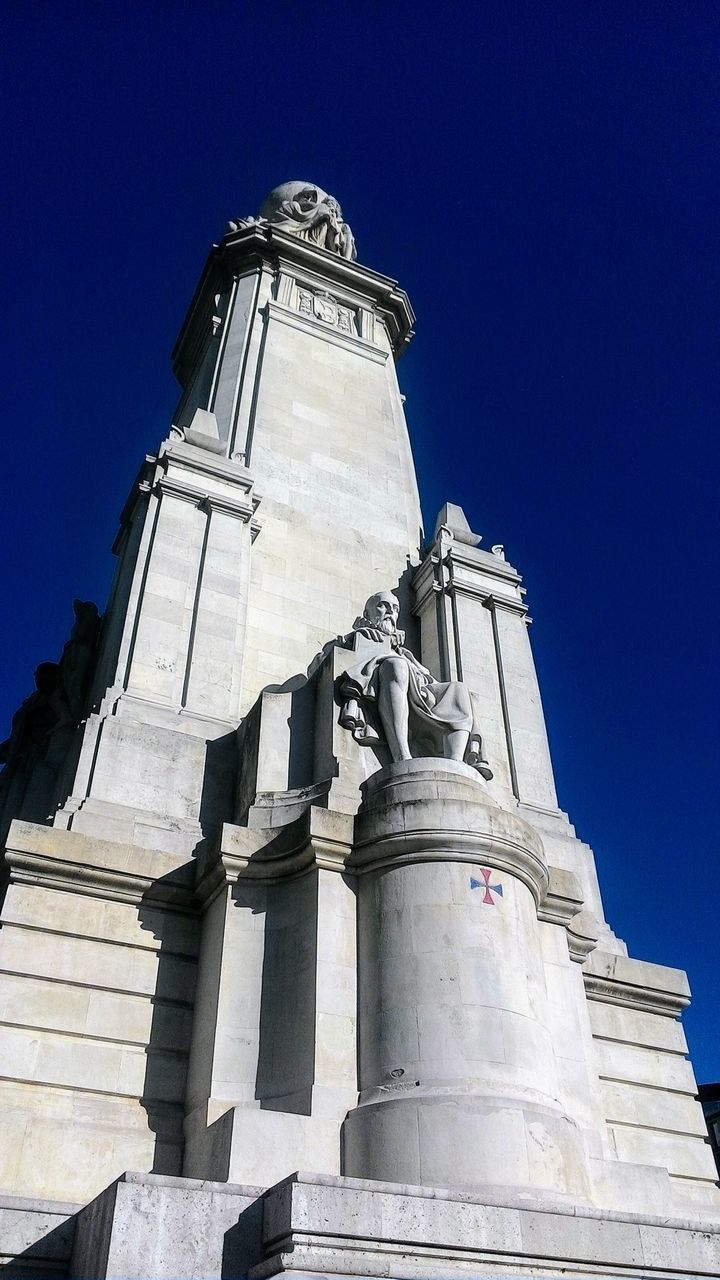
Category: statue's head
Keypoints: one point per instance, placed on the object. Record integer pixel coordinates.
(47, 677)
(305, 194)
(382, 611)
(87, 620)
(307, 197)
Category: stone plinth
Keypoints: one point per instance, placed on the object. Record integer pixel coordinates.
(344, 1226)
(458, 1078)
(309, 1225)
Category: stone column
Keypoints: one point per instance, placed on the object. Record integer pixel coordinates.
(458, 1081)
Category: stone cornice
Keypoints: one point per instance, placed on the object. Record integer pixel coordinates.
(583, 932)
(645, 999)
(319, 838)
(317, 1224)
(479, 561)
(263, 247)
(198, 497)
(563, 898)
(437, 844)
(195, 459)
(57, 859)
(563, 906)
(635, 984)
(410, 815)
(438, 572)
(204, 479)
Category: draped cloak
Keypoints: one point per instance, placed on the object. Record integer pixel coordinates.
(436, 707)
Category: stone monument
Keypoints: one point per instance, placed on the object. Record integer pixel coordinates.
(303, 968)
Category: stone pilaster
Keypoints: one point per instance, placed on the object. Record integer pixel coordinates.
(170, 671)
(474, 624)
(273, 1060)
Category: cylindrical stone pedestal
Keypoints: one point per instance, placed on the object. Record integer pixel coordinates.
(458, 1078)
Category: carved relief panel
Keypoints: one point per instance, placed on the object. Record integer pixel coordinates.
(320, 305)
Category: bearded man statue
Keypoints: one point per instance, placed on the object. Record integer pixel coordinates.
(389, 685)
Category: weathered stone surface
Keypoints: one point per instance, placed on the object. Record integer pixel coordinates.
(167, 1228)
(238, 941)
(36, 1236)
(337, 1226)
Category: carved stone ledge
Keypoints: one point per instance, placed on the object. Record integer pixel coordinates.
(258, 248)
(563, 899)
(193, 475)
(319, 838)
(583, 933)
(438, 810)
(53, 858)
(563, 905)
(635, 984)
(452, 567)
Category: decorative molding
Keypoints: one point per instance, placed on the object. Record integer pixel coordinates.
(194, 464)
(440, 844)
(563, 899)
(438, 573)
(583, 934)
(56, 869)
(271, 251)
(243, 510)
(636, 984)
(479, 561)
(454, 823)
(319, 838)
(320, 305)
(491, 600)
(172, 488)
(668, 1004)
(190, 457)
(320, 1224)
(320, 329)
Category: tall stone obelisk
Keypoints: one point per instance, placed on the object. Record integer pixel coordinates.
(290, 399)
(287, 885)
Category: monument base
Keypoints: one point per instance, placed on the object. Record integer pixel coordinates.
(347, 1226)
(151, 1226)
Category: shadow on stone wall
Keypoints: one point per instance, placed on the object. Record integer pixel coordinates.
(242, 1243)
(217, 798)
(286, 1049)
(48, 1255)
(168, 912)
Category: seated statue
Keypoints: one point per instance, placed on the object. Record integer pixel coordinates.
(308, 212)
(390, 685)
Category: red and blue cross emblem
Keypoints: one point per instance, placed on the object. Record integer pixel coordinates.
(485, 884)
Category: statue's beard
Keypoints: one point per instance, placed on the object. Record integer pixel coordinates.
(387, 626)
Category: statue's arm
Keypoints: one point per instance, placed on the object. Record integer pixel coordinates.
(308, 217)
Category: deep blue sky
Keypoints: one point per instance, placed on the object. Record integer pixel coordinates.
(543, 180)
